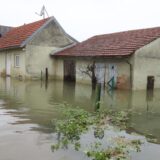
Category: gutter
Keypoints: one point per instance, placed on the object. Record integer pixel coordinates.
(13, 47)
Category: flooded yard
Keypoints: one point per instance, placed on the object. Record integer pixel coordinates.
(27, 108)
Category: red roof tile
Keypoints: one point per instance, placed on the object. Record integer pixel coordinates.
(115, 44)
(16, 36)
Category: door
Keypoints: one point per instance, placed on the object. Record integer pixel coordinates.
(150, 82)
(69, 70)
(112, 75)
(8, 64)
(100, 72)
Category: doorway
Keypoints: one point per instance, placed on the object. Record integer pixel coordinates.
(100, 72)
(69, 70)
(150, 82)
(8, 64)
(112, 78)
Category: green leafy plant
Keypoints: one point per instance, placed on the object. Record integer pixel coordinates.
(78, 121)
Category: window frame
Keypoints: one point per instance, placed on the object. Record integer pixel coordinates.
(17, 61)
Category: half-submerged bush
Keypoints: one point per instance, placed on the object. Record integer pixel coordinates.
(78, 121)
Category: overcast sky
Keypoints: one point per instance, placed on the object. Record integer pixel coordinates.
(85, 18)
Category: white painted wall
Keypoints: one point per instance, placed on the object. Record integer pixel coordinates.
(59, 69)
(37, 60)
(123, 70)
(14, 71)
(146, 63)
(2, 64)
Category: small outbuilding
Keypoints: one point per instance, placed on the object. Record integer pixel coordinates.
(123, 60)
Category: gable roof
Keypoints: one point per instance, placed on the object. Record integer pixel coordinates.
(17, 36)
(115, 44)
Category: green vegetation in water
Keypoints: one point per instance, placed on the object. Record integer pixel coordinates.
(78, 122)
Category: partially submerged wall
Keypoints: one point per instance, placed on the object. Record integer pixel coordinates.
(121, 71)
(147, 63)
(9, 57)
(83, 75)
(51, 38)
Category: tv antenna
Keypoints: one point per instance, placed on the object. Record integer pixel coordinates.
(43, 12)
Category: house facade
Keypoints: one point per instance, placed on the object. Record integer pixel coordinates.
(123, 60)
(25, 50)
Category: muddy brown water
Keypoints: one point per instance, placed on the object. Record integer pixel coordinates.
(27, 108)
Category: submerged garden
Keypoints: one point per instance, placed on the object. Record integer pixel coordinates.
(39, 122)
(78, 122)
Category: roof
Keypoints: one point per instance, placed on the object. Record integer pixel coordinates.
(16, 37)
(115, 44)
(4, 30)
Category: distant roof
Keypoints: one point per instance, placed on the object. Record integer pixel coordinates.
(4, 30)
(115, 44)
(16, 36)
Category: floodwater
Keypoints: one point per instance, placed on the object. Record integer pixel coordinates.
(27, 108)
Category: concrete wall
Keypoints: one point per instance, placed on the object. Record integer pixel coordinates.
(123, 70)
(59, 69)
(51, 38)
(15, 71)
(2, 63)
(146, 63)
(37, 60)
(35, 57)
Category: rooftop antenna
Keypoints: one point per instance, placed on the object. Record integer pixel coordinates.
(43, 12)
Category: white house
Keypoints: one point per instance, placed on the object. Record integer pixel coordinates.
(25, 50)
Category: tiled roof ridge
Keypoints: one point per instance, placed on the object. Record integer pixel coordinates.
(118, 43)
(31, 23)
(123, 32)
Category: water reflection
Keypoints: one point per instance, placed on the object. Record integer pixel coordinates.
(37, 103)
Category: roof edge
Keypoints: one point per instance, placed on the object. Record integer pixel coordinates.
(62, 49)
(64, 30)
(12, 47)
(94, 56)
(24, 43)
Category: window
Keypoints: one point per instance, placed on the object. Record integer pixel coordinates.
(17, 61)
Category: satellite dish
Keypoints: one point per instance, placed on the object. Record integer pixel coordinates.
(43, 12)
